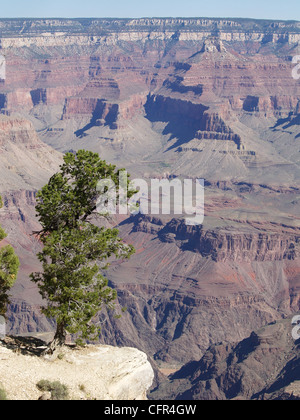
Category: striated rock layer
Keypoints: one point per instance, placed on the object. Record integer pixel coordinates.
(187, 98)
(185, 289)
(26, 161)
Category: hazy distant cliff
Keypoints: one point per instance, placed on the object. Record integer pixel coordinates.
(94, 31)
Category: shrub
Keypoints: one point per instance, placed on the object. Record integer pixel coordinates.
(59, 392)
(3, 396)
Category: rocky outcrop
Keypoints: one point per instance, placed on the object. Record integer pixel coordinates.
(25, 160)
(24, 318)
(287, 393)
(188, 98)
(222, 245)
(193, 79)
(193, 287)
(102, 112)
(92, 373)
(94, 30)
(263, 366)
(186, 280)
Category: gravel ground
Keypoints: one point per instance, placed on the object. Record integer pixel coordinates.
(93, 372)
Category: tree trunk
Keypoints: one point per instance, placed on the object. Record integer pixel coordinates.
(58, 341)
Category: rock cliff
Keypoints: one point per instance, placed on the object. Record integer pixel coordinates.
(91, 373)
(25, 160)
(264, 366)
(187, 287)
(94, 30)
(175, 85)
(223, 244)
(166, 98)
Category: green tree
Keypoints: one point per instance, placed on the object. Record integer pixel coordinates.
(76, 249)
(9, 267)
(71, 195)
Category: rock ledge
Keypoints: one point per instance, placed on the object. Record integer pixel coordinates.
(93, 372)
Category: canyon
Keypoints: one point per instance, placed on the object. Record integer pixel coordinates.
(264, 366)
(213, 99)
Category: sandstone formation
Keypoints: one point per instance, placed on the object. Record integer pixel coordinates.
(201, 86)
(95, 372)
(223, 244)
(93, 31)
(187, 288)
(166, 98)
(25, 160)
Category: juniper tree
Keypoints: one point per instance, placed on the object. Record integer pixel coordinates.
(71, 195)
(9, 267)
(76, 248)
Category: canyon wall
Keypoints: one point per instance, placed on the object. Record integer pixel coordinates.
(264, 366)
(187, 288)
(223, 244)
(170, 98)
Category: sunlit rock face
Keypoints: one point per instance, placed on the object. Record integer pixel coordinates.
(188, 98)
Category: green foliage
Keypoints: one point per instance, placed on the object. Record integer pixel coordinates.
(71, 282)
(70, 197)
(59, 392)
(3, 396)
(76, 250)
(9, 267)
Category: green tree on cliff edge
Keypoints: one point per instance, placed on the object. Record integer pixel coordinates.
(75, 248)
(9, 267)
